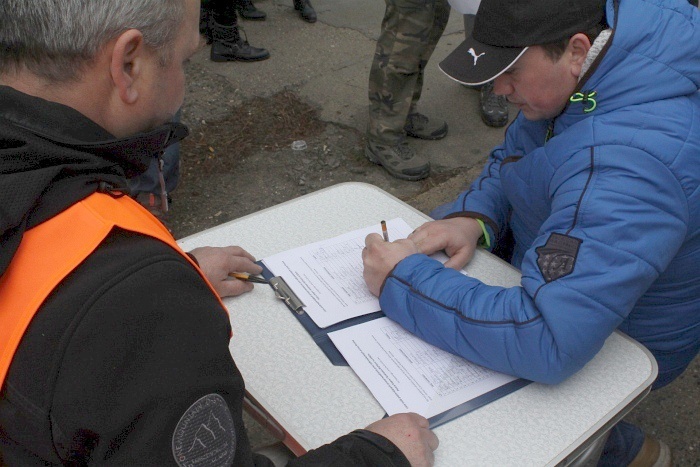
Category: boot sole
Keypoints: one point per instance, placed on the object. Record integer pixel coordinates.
(411, 178)
(426, 137)
(222, 58)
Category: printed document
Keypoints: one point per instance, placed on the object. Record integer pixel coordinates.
(406, 374)
(327, 275)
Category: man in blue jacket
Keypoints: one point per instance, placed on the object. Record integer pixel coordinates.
(594, 195)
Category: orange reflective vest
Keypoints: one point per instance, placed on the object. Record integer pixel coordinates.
(52, 249)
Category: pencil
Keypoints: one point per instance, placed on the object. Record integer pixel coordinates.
(385, 232)
(244, 276)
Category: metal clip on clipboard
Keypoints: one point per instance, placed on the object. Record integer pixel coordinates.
(285, 293)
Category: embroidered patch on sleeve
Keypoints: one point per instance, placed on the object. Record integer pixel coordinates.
(205, 434)
(557, 257)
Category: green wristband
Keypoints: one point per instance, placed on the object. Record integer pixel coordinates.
(485, 240)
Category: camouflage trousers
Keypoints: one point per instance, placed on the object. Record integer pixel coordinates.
(410, 31)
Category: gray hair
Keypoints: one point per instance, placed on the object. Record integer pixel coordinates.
(54, 39)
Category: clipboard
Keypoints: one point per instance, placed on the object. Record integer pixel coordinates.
(477, 402)
(319, 335)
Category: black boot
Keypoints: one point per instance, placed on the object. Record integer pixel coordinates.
(305, 9)
(247, 10)
(229, 46)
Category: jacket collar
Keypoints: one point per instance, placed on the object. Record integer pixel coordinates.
(47, 120)
(52, 156)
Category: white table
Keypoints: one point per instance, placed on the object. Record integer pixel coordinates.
(316, 402)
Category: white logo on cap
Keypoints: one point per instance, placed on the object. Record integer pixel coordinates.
(472, 52)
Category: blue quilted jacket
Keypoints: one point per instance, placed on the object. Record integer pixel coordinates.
(605, 217)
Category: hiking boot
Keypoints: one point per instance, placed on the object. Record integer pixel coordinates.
(399, 160)
(247, 10)
(306, 11)
(493, 108)
(228, 46)
(654, 453)
(420, 126)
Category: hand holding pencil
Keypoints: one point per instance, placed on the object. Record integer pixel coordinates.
(380, 256)
(244, 276)
(219, 263)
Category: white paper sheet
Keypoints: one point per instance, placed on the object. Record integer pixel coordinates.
(327, 275)
(406, 374)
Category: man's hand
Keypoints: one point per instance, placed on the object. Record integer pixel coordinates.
(218, 262)
(457, 236)
(380, 257)
(410, 433)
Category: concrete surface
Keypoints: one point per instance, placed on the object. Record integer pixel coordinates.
(327, 63)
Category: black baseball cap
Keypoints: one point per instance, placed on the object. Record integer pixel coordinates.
(504, 29)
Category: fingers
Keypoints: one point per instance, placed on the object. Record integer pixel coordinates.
(428, 238)
(232, 288)
(218, 262)
(460, 258)
(432, 439)
(418, 419)
(243, 264)
(238, 252)
(239, 263)
(417, 236)
(373, 238)
(426, 433)
(239, 260)
(227, 257)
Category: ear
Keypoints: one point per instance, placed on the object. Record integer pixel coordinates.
(576, 51)
(126, 64)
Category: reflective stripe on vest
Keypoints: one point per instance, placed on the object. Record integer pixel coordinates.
(51, 250)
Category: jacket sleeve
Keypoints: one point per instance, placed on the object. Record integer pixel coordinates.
(618, 242)
(359, 448)
(146, 358)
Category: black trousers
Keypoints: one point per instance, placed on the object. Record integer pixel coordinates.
(222, 11)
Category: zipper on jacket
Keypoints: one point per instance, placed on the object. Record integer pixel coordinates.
(550, 131)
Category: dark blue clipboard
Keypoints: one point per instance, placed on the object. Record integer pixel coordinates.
(466, 407)
(320, 337)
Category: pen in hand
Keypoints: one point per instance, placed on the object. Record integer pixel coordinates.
(244, 276)
(385, 232)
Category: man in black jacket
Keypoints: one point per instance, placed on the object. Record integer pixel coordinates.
(128, 354)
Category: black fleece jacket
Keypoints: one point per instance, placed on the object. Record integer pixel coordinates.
(127, 361)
